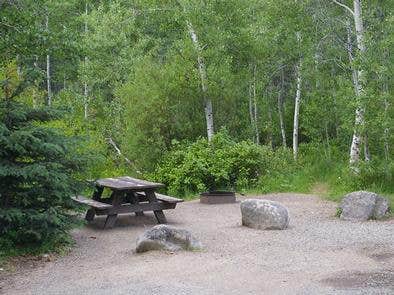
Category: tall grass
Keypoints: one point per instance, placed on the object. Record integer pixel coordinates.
(329, 170)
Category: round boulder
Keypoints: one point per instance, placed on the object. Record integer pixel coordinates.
(165, 237)
(264, 214)
(363, 205)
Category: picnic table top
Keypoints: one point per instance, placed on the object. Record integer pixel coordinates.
(127, 183)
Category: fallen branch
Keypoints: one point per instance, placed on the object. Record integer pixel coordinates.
(344, 6)
(119, 152)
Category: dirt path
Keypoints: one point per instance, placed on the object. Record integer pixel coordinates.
(318, 254)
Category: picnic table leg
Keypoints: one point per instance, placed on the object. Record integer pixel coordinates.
(96, 196)
(116, 201)
(90, 214)
(161, 218)
(133, 199)
(110, 221)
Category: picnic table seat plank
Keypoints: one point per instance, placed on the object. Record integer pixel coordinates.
(140, 207)
(163, 198)
(92, 203)
(168, 199)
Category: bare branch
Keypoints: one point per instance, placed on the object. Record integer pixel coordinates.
(118, 151)
(111, 142)
(344, 6)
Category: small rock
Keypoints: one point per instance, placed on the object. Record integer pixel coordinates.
(264, 214)
(46, 257)
(165, 237)
(363, 205)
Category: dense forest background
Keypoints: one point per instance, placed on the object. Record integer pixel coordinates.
(265, 95)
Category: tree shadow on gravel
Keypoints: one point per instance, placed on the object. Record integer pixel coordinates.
(379, 279)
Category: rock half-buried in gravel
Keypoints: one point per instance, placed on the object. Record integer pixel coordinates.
(165, 237)
(264, 214)
(362, 205)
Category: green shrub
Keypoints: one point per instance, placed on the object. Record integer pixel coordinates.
(221, 164)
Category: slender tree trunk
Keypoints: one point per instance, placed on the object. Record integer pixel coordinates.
(359, 119)
(36, 68)
(256, 116)
(351, 59)
(49, 89)
(280, 108)
(297, 103)
(18, 66)
(327, 135)
(204, 82)
(297, 110)
(85, 84)
(386, 130)
(270, 124)
(253, 107)
(356, 140)
(367, 155)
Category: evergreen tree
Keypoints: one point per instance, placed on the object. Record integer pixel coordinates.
(37, 165)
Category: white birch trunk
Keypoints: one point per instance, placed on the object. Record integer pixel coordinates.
(297, 110)
(351, 59)
(280, 110)
(18, 66)
(35, 64)
(327, 135)
(270, 124)
(297, 104)
(85, 84)
(49, 88)
(386, 130)
(251, 106)
(359, 120)
(256, 129)
(204, 82)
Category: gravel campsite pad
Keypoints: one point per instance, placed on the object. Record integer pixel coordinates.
(316, 254)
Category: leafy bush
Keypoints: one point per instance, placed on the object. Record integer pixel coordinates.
(36, 175)
(221, 164)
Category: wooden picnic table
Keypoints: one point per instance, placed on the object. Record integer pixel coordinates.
(128, 195)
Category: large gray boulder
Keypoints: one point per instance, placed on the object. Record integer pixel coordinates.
(264, 214)
(363, 205)
(165, 237)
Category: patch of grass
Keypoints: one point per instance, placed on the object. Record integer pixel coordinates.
(329, 179)
(338, 212)
(292, 182)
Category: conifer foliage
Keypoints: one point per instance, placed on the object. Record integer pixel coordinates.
(36, 173)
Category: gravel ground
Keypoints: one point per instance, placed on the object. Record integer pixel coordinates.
(317, 254)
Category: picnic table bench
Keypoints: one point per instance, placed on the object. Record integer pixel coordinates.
(129, 195)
